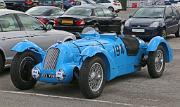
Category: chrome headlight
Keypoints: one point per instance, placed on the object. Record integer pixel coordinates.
(154, 24)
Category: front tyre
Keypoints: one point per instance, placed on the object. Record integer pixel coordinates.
(92, 77)
(20, 71)
(156, 63)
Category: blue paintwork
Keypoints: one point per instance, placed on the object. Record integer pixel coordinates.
(155, 42)
(28, 45)
(74, 53)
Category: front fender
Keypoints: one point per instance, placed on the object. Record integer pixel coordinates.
(91, 51)
(28, 45)
(155, 42)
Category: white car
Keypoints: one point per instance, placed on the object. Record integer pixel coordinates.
(113, 5)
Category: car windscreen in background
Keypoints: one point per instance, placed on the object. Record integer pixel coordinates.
(149, 12)
(38, 11)
(78, 11)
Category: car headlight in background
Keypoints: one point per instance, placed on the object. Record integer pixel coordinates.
(154, 24)
(127, 23)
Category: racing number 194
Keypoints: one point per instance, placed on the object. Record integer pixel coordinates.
(118, 49)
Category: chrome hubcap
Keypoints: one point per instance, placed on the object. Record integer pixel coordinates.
(159, 61)
(95, 77)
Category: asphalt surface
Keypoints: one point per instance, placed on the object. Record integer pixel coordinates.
(134, 90)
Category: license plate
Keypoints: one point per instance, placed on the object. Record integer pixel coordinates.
(138, 30)
(67, 21)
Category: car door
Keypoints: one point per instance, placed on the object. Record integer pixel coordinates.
(36, 33)
(114, 22)
(176, 19)
(101, 19)
(169, 20)
(11, 33)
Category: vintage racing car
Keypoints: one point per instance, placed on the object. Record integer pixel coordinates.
(91, 60)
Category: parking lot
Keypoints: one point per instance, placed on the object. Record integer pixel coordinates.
(134, 90)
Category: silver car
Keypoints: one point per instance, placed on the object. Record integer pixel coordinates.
(17, 26)
(2, 4)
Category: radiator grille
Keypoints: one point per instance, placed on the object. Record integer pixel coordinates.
(51, 59)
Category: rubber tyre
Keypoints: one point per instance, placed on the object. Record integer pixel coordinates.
(16, 73)
(2, 63)
(151, 63)
(177, 34)
(84, 74)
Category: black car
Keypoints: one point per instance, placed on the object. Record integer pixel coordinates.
(45, 13)
(77, 18)
(21, 5)
(148, 22)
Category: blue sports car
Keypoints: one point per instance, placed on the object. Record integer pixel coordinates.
(91, 60)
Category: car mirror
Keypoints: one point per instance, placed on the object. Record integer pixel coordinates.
(130, 16)
(168, 17)
(115, 15)
(49, 27)
(51, 22)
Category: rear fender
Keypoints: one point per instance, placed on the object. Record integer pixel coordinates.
(155, 42)
(28, 46)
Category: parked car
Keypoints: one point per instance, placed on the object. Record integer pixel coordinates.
(92, 60)
(17, 26)
(45, 13)
(66, 4)
(77, 18)
(21, 5)
(113, 5)
(84, 2)
(2, 4)
(148, 22)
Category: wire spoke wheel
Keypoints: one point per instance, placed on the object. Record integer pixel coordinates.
(95, 77)
(159, 60)
(156, 62)
(92, 77)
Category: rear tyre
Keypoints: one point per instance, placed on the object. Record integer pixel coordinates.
(20, 71)
(2, 63)
(177, 34)
(92, 77)
(156, 63)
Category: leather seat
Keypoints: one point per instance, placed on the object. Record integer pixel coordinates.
(131, 44)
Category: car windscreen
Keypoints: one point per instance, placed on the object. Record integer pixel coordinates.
(78, 11)
(150, 13)
(39, 11)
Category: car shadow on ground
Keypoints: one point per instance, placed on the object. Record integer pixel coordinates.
(73, 90)
(5, 72)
